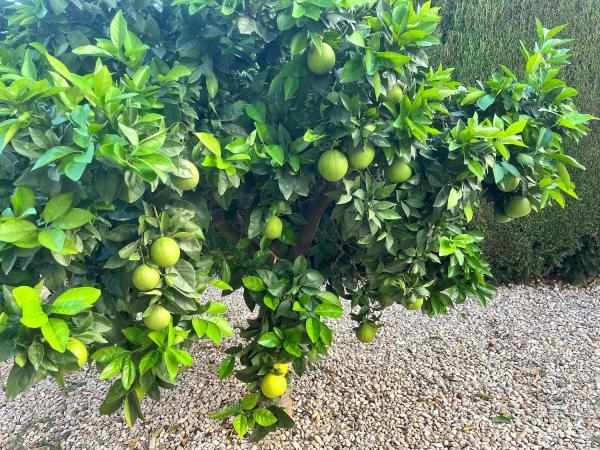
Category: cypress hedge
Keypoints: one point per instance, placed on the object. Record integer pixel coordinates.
(483, 33)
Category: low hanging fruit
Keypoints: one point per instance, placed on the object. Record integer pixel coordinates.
(366, 332)
(165, 252)
(517, 206)
(398, 172)
(157, 317)
(187, 183)
(145, 278)
(273, 386)
(362, 159)
(273, 228)
(416, 305)
(333, 165)
(78, 349)
(509, 183)
(321, 62)
(394, 94)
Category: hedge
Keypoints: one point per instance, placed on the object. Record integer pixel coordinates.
(480, 34)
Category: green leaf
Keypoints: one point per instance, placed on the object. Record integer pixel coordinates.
(257, 111)
(357, 39)
(22, 200)
(313, 328)
(148, 361)
(74, 218)
(111, 369)
(453, 198)
(118, 30)
(56, 333)
(504, 418)
(271, 302)
(264, 417)
(31, 306)
(254, 283)
(226, 367)
(210, 142)
(75, 300)
(250, 401)
(52, 155)
(128, 373)
(19, 379)
(57, 206)
(329, 310)
(16, 230)
(276, 152)
(352, 71)
(108, 354)
(240, 425)
(52, 239)
(35, 354)
(200, 326)
(269, 339)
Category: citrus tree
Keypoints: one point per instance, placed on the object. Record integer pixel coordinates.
(302, 151)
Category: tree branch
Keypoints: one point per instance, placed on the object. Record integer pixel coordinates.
(315, 207)
(226, 228)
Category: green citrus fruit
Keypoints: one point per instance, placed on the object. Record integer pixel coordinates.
(394, 94)
(188, 183)
(273, 228)
(273, 386)
(517, 206)
(78, 349)
(501, 217)
(165, 252)
(416, 305)
(398, 172)
(333, 165)
(366, 332)
(282, 367)
(298, 43)
(157, 318)
(363, 158)
(509, 183)
(145, 278)
(321, 62)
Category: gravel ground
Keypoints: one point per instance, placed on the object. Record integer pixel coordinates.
(533, 356)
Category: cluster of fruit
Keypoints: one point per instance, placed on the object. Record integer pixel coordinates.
(164, 252)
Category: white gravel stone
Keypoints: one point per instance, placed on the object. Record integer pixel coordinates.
(533, 354)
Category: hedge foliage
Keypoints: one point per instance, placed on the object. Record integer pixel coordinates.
(480, 34)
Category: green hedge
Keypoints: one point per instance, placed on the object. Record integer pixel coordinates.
(483, 33)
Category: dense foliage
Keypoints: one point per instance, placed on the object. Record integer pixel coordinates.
(303, 151)
(555, 240)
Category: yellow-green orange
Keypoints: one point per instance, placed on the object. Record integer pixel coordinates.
(509, 183)
(145, 278)
(157, 318)
(398, 172)
(273, 386)
(298, 43)
(394, 94)
(366, 332)
(165, 252)
(321, 62)
(78, 349)
(190, 182)
(362, 159)
(333, 165)
(517, 206)
(273, 228)
(282, 367)
(501, 217)
(415, 305)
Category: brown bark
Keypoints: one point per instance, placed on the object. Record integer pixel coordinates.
(227, 229)
(314, 210)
